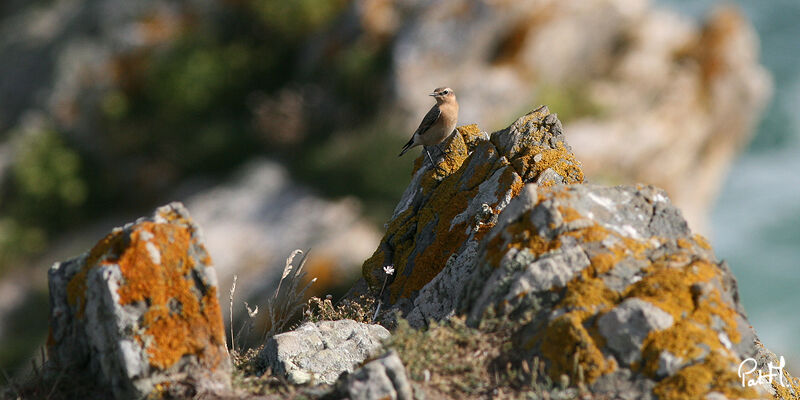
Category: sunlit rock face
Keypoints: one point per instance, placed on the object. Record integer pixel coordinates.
(607, 285)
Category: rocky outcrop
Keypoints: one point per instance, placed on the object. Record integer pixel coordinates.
(448, 208)
(606, 284)
(139, 312)
(319, 352)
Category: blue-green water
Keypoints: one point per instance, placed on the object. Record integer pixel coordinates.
(756, 222)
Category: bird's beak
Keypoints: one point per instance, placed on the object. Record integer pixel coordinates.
(433, 94)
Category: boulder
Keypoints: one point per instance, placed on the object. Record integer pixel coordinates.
(605, 284)
(139, 312)
(448, 208)
(320, 351)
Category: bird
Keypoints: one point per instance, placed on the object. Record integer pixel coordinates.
(438, 123)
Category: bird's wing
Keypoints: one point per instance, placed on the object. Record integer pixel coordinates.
(430, 118)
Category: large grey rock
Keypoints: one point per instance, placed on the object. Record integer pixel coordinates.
(380, 379)
(606, 284)
(627, 324)
(321, 351)
(140, 310)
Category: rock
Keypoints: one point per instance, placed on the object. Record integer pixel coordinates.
(606, 284)
(139, 312)
(382, 378)
(319, 352)
(627, 325)
(441, 217)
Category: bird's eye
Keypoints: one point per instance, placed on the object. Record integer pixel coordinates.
(445, 92)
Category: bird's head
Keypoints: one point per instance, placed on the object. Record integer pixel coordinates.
(443, 95)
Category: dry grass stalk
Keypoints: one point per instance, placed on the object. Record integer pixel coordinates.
(287, 300)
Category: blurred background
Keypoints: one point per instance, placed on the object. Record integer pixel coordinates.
(278, 123)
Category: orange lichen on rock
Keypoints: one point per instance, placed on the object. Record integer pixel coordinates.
(569, 214)
(715, 373)
(534, 160)
(697, 310)
(701, 241)
(156, 265)
(181, 320)
(471, 135)
(520, 234)
(787, 388)
(567, 338)
(661, 279)
(588, 294)
(679, 291)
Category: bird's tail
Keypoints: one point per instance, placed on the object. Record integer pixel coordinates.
(408, 145)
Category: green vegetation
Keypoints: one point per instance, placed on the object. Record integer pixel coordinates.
(188, 106)
(45, 190)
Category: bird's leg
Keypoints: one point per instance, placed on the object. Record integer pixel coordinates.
(429, 156)
(433, 164)
(442, 151)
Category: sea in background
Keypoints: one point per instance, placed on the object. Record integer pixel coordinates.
(756, 221)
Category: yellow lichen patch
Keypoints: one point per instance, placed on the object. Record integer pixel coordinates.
(522, 236)
(594, 233)
(564, 339)
(602, 263)
(454, 153)
(537, 114)
(633, 247)
(177, 321)
(683, 339)
(471, 135)
(589, 294)
(443, 206)
(569, 214)
(790, 392)
(696, 309)
(559, 160)
(701, 241)
(669, 288)
(716, 373)
(684, 244)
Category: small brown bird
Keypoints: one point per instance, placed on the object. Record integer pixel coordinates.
(438, 123)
